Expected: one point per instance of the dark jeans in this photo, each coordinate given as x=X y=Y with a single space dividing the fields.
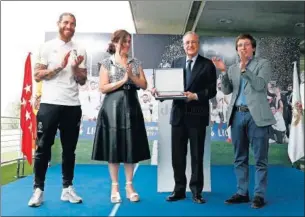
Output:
x=49 y=119
x=245 y=131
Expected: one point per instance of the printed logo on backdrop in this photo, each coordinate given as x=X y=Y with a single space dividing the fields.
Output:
x=87 y=130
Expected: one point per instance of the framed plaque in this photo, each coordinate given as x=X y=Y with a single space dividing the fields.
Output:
x=169 y=83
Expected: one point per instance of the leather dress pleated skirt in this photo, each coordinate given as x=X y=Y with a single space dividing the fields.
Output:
x=120 y=135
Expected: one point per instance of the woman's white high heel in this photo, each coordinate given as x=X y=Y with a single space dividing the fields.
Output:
x=133 y=197
x=115 y=197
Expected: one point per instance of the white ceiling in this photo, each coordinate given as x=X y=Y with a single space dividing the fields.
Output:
x=256 y=17
x=160 y=17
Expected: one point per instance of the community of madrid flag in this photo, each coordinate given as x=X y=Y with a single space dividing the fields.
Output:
x=296 y=137
x=27 y=116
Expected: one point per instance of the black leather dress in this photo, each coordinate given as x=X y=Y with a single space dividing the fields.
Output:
x=120 y=135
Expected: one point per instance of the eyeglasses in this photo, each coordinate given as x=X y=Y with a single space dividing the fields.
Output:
x=243 y=44
x=190 y=42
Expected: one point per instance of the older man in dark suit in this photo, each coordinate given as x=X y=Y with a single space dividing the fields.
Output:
x=190 y=118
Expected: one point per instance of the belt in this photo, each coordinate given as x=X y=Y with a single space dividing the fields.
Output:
x=127 y=87
x=242 y=108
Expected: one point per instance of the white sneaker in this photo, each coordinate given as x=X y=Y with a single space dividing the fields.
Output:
x=37 y=198
x=69 y=194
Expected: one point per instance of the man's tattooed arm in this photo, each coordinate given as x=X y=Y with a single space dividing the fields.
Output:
x=42 y=73
x=80 y=75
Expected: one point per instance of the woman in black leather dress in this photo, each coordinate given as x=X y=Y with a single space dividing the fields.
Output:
x=120 y=135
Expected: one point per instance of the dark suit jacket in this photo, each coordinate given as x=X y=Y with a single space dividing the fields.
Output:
x=203 y=82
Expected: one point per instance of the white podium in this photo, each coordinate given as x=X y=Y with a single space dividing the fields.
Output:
x=165 y=171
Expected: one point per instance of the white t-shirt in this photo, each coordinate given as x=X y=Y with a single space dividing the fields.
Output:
x=62 y=89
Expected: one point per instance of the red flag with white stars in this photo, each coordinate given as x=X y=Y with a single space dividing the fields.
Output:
x=27 y=116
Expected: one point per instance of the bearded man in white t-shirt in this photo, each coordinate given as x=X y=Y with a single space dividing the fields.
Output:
x=61 y=66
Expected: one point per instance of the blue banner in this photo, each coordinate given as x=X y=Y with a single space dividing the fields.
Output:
x=87 y=130
x=218 y=132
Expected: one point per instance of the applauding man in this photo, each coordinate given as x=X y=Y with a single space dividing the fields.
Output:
x=61 y=66
x=250 y=117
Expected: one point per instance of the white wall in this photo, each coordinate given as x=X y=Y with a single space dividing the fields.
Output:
x=23 y=26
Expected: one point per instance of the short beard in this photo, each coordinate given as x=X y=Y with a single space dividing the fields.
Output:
x=62 y=35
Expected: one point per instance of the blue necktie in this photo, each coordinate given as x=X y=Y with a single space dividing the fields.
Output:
x=188 y=72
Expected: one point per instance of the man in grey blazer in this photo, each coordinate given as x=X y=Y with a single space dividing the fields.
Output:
x=249 y=116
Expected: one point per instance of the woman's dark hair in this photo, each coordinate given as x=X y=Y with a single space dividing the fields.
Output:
x=118 y=36
x=246 y=36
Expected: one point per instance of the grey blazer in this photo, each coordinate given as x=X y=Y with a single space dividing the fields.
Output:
x=257 y=76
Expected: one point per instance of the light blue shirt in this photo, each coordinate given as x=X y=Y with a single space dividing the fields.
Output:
x=241 y=98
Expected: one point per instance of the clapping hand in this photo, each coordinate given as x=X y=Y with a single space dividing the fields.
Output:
x=125 y=79
x=243 y=60
x=59 y=68
x=77 y=61
x=65 y=60
x=129 y=70
x=219 y=64
x=128 y=73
